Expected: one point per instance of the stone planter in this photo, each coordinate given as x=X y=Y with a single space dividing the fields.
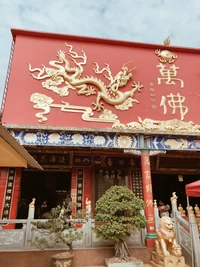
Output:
x=62 y=259
x=115 y=262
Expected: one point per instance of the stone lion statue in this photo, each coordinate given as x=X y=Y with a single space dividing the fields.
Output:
x=166 y=244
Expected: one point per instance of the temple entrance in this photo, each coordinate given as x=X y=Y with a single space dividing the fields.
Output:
x=164 y=184
x=105 y=178
x=48 y=187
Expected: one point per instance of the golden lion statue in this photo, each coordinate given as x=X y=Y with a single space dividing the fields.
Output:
x=166 y=244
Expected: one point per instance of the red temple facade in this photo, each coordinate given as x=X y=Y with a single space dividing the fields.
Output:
x=95 y=113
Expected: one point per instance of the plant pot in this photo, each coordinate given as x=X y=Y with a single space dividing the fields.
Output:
x=62 y=259
x=115 y=262
x=79 y=225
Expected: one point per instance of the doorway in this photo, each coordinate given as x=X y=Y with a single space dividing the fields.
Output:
x=165 y=184
x=49 y=186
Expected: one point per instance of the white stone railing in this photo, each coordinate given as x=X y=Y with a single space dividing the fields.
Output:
x=23 y=239
x=186 y=231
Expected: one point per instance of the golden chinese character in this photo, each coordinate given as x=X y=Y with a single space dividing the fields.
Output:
x=10 y=184
x=149 y=203
x=152 y=89
x=8 y=198
x=150 y=218
x=153 y=95
x=110 y=163
x=132 y=162
x=79 y=205
x=79 y=185
x=43 y=159
x=86 y=160
x=80 y=192
x=153 y=106
x=9 y=191
x=6 y=212
x=61 y=159
x=169 y=74
x=147 y=174
x=52 y=159
x=146 y=161
x=149 y=188
x=175 y=102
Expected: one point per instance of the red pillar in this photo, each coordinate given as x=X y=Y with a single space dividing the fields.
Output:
x=148 y=198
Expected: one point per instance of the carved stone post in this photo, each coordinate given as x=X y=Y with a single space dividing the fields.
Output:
x=148 y=198
x=156 y=214
x=173 y=200
x=31 y=211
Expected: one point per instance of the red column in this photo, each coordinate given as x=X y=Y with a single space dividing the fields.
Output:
x=148 y=198
x=73 y=188
x=87 y=186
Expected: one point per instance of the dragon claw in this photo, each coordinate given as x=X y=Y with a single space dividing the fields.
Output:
x=98 y=106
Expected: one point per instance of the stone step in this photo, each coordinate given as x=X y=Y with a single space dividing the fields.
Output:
x=145 y=265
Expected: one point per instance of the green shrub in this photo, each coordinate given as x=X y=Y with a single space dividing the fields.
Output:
x=119 y=210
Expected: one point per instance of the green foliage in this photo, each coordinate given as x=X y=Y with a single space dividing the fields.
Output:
x=119 y=210
x=57 y=229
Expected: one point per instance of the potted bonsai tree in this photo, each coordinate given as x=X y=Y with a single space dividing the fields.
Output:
x=119 y=212
x=57 y=229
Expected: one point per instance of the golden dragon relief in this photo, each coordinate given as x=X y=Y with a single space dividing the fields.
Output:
x=62 y=76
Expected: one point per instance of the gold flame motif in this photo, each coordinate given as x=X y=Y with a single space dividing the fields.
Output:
x=167 y=41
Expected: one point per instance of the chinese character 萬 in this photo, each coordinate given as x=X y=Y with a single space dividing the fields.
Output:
x=169 y=75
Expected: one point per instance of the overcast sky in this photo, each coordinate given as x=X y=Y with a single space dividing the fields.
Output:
x=146 y=21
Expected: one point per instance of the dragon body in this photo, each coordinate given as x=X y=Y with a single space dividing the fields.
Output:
x=61 y=77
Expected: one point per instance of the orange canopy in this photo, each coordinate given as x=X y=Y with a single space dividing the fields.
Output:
x=193 y=189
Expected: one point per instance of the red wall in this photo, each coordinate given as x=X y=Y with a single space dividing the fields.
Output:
x=41 y=50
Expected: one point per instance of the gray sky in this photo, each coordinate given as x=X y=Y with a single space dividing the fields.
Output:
x=146 y=21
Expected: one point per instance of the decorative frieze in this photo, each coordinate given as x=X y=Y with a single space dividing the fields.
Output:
x=71 y=139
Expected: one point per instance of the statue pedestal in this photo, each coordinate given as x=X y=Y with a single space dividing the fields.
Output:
x=159 y=260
